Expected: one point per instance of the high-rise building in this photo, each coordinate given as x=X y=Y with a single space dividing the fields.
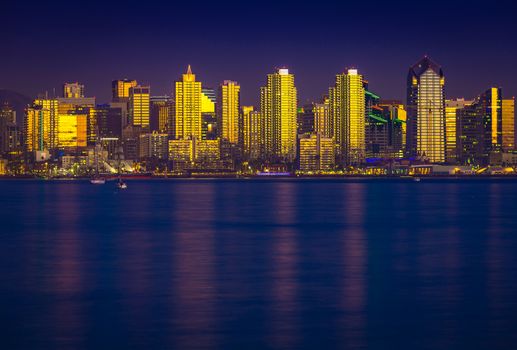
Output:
x=348 y=111
x=81 y=105
x=72 y=131
x=160 y=111
x=209 y=127
x=73 y=90
x=188 y=98
x=316 y=152
x=322 y=120
x=394 y=111
x=426 y=111
x=479 y=129
x=278 y=102
x=253 y=133
x=154 y=145
x=451 y=108
x=508 y=124
x=120 y=89
x=41 y=125
x=109 y=121
x=8 y=113
x=139 y=106
x=306 y=116
x=228 y=108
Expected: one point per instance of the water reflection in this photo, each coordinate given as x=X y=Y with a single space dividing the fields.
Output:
x=354 y=267
x=194 y=288
x=284 y=256
x=65 y=275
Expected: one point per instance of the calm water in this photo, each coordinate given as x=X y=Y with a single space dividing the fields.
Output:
x=280 y=264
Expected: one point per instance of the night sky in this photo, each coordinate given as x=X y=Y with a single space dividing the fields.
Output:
x=47 y=43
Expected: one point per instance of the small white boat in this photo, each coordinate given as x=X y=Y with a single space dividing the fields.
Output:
x=98 y=181
x=121 y=185
x=416 y=179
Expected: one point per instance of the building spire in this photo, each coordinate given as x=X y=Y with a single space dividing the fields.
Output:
x=189 y=70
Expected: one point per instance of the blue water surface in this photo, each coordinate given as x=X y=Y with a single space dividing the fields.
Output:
x=249 y=264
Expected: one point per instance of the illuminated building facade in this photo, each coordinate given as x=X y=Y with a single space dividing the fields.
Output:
x=316 y=153
x=181 y=153
x=348 y=109
x=253 y=134
x=139 y=106
x=41 y=125
x=160 y=112
x=508 y=124
x=73 y=90
x=188 y=107
x=479 y=129
x=154 y=145
x=120 y=89
x=228 y=108
x=394 y=112
x=426 y=111
x=72 y=131
x=209 y=127
x=278 y=103
x=451 y=108
x=306 y=119
x=322 y=120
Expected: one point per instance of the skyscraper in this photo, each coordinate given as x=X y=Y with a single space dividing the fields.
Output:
x=139 y=106
x=188 y=122
x=347 y=113
x=41 y=125
x=316 y=153
x=73 y=90
x=426 y=111
x=508 y=124
x=322 y=120
x=252 y=133
x=228 y=107
x=278 y=102
x=120 y=89
x=160 y=111
x=479 y=129
x=451 y=108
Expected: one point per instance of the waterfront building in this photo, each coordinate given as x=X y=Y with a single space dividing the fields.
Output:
x=188 y=99
x=479 y=130
x=278 y=104
x=508 y=124
x=347 y=103
x=181 y=154
x=154 y=145
x=73 y=90
x=316 y=153
x=139 y=106
x=451 y=108
x=426 y=111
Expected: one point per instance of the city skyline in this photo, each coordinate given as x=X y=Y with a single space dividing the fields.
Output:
x=382 y=40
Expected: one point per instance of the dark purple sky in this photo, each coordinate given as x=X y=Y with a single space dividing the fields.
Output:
x=47 y=43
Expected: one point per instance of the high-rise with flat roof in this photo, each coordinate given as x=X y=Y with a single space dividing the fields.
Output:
x=278 y=102
x=139 y=106
x=228 y=107
x=347 y=112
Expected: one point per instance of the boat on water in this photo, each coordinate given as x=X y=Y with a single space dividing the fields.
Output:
x=97 y=181
x=416 y=179
x=121 y=185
